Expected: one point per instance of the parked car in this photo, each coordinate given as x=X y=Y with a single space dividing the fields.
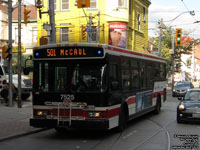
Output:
x=180 y=88
x=26 y=83
x=189 y=107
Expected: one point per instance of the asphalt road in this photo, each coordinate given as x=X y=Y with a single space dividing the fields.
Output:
x=150 y=132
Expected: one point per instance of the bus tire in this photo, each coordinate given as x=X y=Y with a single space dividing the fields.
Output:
x=25 y=96
x=61 y=130
x=158 y=106
x=122 y=120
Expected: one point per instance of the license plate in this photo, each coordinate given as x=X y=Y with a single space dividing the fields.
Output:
x=196 y=115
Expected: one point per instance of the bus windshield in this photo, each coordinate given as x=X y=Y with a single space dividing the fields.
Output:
x=77 y=77
x=88 y=77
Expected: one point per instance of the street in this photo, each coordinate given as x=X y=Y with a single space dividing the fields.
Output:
x=149 y=132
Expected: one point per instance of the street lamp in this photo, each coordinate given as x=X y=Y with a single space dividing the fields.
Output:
x=192 y=13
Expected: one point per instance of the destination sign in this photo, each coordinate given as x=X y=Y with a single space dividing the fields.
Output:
x=69 y=52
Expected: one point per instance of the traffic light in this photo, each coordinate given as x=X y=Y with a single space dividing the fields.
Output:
x=83 y=3
x=178 y=37
x=83 y=32
x=26 y=16
x=5 y=52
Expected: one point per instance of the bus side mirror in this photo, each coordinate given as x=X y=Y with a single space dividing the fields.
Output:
x=26 y=70
x=114 y=85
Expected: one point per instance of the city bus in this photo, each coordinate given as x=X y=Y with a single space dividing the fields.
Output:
x=93 y=86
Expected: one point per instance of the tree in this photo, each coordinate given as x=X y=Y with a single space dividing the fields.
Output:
x=166 y=44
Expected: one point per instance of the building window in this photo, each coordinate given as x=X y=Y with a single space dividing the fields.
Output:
x=55 y=6
x=130 y=7
x=144 y=14
x=121 y=3
x=64 y=34
x=64 y=4
x=139 y=23
x=93 y=4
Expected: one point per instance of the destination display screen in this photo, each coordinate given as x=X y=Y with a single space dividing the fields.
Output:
x=69 y=52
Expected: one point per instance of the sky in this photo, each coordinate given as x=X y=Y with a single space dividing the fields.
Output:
x=178 y=11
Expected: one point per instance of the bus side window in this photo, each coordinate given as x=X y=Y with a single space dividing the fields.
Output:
x=1 y=71
x=156 y=72
x=142 y=75
x=125 y=74
x=113 y=77
x=135 y=75
x=150 y=75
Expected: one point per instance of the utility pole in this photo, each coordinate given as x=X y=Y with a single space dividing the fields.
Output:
x=10 y=51
x=173 y=41
x=98 y=27
x=160 y=37
x=52 y=22
x=19 y=102
x=90 y=28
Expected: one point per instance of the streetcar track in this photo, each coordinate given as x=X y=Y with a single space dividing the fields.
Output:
x=162 y=128
x=112 y=145
x=116 y=141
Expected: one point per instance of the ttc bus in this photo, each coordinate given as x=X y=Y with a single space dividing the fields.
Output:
x=93 y=86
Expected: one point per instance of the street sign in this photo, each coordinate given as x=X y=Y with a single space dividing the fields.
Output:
x=15 y=49
x=89 y=30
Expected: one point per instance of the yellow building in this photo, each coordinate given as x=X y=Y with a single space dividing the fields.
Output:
x=122 y=23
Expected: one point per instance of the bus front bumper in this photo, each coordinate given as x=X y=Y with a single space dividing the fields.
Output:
x=90 y=124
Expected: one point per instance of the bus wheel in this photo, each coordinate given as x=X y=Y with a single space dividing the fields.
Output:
x=158 y=106
x=122 y=121
x=61 y=130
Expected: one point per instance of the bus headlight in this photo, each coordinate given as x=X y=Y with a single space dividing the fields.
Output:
x=41 y=113
x=94 y=114
x=181 y=107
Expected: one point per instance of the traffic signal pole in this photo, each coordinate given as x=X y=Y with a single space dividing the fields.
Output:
x=52 y=22
x=10 y=102
x=173 y=48
x=19 y=101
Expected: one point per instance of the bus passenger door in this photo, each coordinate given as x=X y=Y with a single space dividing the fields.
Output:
x=114 y=85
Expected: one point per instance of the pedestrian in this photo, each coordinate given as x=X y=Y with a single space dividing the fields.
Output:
x=4 y=92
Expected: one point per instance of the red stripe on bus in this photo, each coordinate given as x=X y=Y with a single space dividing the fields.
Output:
x=131 y=100
x=134 y=53
x=83 y=113
x=113 y=112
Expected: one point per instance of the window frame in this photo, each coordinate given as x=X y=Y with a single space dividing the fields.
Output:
x=61 y=34
x=61 y=5
x=124 y=4
x=139 y=22
x=93 y=1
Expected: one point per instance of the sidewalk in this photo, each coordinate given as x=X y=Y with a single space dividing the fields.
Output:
x=14 y=121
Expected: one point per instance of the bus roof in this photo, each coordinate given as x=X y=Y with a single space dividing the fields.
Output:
x=108 y=49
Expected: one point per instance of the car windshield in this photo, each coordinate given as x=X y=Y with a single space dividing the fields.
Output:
x=192 y=96
x=184 y=84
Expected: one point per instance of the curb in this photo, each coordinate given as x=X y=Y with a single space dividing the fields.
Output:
x=22 y=134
